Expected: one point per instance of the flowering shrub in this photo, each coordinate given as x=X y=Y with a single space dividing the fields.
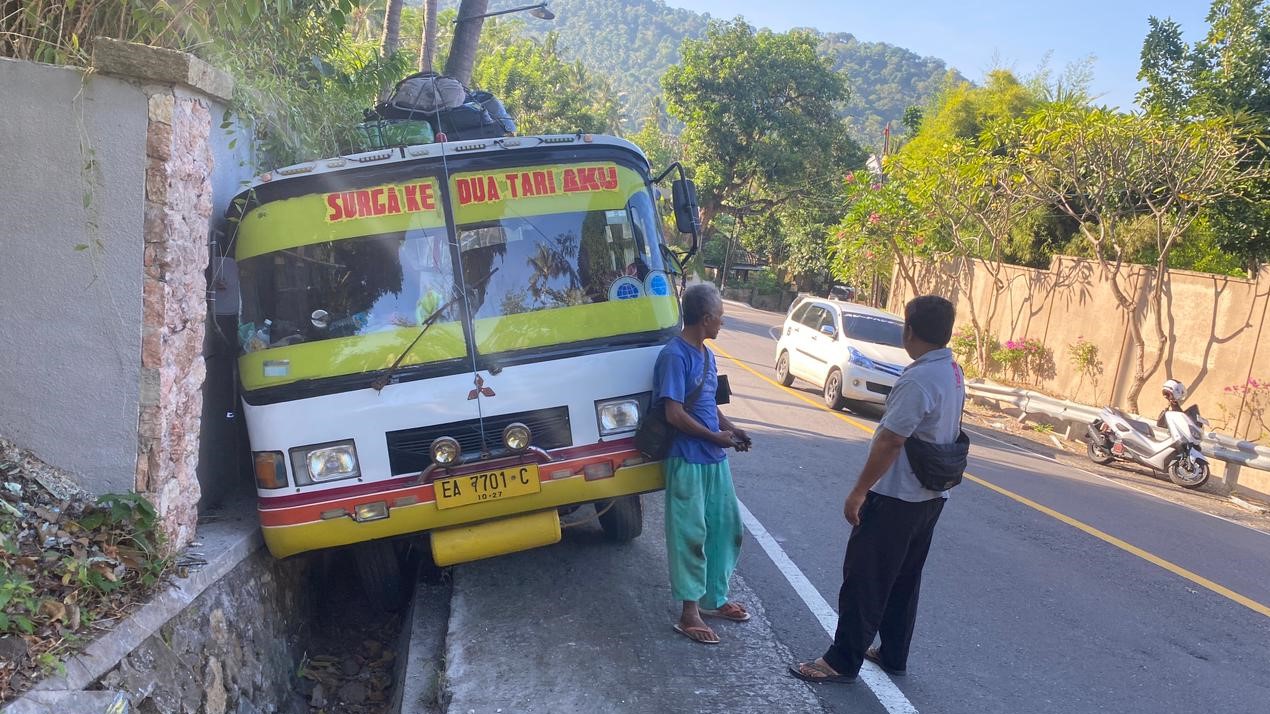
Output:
x=966 y=349
x=963 y=345
x=1255 y=396
x=1023 y=357
x=1083 y=355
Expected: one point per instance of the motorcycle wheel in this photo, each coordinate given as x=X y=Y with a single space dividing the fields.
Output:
x=1191 y=474
x=1098 y=454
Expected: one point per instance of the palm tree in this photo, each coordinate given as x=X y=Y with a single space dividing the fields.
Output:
x=467 y=36
x=392 y=27
x=428 y=45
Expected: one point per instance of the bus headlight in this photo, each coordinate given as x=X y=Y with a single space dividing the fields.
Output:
x=326 y=462
x=617 y=415
x=516 y=436
x=446 y=450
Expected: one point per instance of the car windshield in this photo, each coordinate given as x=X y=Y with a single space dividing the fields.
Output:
x=877 y=330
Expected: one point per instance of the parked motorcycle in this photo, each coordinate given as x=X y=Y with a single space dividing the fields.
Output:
x=1118 y=436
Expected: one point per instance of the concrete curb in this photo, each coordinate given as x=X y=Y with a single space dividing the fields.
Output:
x=228 y=538
x=422 y=679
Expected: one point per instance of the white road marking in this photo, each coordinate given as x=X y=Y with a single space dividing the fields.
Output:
x=881 y=685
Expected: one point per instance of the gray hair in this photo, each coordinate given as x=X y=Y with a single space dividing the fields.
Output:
x=698 y=300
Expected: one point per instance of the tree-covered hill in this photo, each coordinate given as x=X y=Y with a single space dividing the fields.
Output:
x=633 y=42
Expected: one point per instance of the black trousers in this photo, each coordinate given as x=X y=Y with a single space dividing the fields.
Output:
x=881 y=579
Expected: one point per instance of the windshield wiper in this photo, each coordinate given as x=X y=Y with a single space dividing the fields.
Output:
x=382 y=381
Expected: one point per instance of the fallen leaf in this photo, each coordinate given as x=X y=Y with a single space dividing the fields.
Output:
x=54 y=609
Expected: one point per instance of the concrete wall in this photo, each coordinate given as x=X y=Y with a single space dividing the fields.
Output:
x=1217 y=328
x=111 y=183
x=72 y=167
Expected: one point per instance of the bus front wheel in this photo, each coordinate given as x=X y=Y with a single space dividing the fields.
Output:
x=381 y=572
x=624 y=520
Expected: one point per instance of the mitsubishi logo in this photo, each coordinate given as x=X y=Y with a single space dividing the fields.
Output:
x=481 y=389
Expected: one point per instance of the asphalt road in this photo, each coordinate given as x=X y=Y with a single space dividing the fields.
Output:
x=1048 y=589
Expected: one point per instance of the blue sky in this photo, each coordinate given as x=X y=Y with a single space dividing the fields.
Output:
x=975 y=37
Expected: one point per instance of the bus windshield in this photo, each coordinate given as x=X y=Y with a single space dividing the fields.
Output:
x=566 y=277
x=541 y=257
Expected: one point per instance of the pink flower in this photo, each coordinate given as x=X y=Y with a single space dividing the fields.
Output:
x=874 y=218
x=850 y=176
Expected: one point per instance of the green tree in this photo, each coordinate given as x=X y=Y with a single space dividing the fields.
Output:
x=1116 y=175
x=963 y=110
x=760 y=118
x=1227 y=72
x=543 y=91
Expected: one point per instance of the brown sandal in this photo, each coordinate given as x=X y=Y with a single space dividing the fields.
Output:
x=730 y=611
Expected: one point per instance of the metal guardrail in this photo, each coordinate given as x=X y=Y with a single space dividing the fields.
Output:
x=1235 y=452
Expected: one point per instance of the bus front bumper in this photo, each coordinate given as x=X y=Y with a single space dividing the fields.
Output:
x=413 y=509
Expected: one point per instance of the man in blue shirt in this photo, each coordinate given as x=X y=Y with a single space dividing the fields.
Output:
x=703 y=522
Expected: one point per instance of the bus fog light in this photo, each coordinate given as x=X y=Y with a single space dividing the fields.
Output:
x=516 y=436
x=445 y=451
x=617 y=416
x=374 y=511
x=603 y=469
x=560 y=473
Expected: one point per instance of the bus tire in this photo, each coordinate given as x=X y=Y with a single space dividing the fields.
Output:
x=624 y=521
x=380 y=571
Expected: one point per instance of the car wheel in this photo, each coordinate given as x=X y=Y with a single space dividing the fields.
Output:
x=833 y=390
x=782 y=370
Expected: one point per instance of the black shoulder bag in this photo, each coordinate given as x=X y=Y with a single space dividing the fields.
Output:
x=654 y=435
x=939 y=467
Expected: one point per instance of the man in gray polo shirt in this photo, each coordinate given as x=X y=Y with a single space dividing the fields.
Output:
x=892 y=515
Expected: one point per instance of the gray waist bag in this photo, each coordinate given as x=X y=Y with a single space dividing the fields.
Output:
x=939 y=467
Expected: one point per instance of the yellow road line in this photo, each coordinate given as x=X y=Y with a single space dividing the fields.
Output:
x=1079 y=525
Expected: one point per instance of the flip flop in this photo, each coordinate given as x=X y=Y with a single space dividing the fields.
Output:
x=700 y=635
x=826 y=676
x=730 y=611
x=874 y=655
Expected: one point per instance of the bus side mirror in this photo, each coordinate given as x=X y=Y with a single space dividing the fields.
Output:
x=687 y=213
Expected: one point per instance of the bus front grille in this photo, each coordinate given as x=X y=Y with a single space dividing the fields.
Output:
x=408 y=449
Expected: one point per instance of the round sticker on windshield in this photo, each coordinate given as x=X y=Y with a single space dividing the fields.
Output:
x=626 y=288
x=657 y=284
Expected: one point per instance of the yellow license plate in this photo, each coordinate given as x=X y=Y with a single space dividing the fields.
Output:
x=487 y=486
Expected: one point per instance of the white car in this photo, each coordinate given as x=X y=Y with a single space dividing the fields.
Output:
x=852 y=352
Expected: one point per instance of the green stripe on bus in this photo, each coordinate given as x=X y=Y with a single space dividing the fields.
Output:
x=352 y=355
x=543 y=328
x=305 y=220
x=529 y=330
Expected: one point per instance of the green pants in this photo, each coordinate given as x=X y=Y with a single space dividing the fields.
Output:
x=703 y=531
